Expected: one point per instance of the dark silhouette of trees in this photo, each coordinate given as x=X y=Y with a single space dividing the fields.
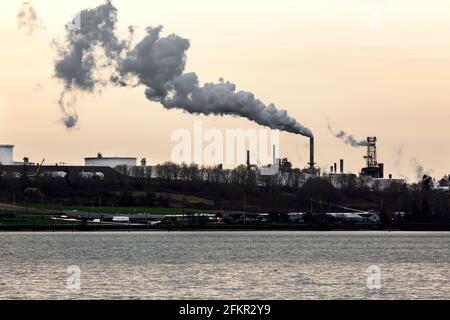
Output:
x=319 y=189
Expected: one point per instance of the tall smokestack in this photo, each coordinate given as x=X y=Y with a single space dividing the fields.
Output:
x=274 y=155
x=248 y=158
x=311 y=154
x=335 y=167
x=342 y=166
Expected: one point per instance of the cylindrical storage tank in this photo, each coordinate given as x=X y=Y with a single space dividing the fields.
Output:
x=6 y=154
x=110 y=162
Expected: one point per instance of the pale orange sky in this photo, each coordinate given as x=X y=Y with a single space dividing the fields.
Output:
x=313 y=58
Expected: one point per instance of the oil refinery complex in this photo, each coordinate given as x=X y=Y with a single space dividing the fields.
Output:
x=99 y=167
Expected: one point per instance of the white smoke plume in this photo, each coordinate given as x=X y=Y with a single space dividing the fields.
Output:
x=67 y=106
x=158 y=63
x=399 y=157
x=78 y=62
x=27 y=18
x=347 y=138
x=420 y=170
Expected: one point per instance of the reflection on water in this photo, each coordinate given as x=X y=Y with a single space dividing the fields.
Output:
x=225 y=265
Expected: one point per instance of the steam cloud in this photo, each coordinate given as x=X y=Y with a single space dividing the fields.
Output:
x=28 y=18
x=158 y=63
x=347 y=138
x=420 y=170
x=399 y=155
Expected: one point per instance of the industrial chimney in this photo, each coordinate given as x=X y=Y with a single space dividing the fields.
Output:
x=311 y=154
x=342 y=166
x=274 y=155
x=335 y=167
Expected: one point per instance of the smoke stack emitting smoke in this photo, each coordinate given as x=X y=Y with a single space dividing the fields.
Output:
x=158 y=63
x=347 y=138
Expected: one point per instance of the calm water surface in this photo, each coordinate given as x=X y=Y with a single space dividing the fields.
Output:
x=225 y=265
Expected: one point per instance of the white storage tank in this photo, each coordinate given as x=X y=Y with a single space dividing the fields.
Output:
x=6 y=154
x=112 y=162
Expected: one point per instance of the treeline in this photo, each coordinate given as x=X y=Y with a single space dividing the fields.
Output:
x=238 y=189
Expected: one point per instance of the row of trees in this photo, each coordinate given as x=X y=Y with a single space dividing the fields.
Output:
x=286 y=178
x=290 y=189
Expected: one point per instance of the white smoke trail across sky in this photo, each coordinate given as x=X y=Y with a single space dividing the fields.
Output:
x=158 y=63
x=345 y=137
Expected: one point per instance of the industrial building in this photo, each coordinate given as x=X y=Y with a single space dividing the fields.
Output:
x=7 y=157
x=373 y=168
x=111 y=162
x=373 y=173
x=61 y=172
x=6 y=154
x=101 y=167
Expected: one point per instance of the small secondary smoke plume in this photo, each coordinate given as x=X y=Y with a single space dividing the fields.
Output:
x=399 y=155
x=69 y=118
x=27 y=18
x=347 y=138
x=158 y=63
x=419 y=169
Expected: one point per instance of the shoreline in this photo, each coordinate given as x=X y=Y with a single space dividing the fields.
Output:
x=143 y=228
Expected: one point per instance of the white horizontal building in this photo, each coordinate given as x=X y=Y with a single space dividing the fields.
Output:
x=347 y=216
x=112 y=162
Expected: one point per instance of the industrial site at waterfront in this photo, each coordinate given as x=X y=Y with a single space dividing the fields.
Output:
x=206 y=150
x=256 y=191
x=114 y=193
